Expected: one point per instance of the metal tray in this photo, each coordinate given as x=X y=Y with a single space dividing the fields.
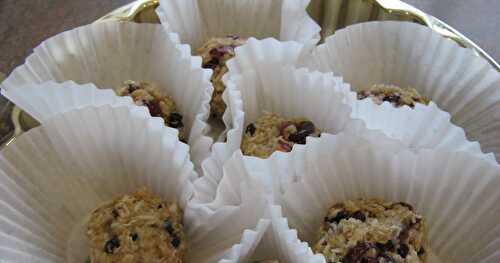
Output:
x=330 y=14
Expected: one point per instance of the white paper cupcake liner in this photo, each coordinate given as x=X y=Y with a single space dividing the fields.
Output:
x=457 y=193
x=408 y=54
x=47 y=99
x=425 y=126
x=53 y=176
x=106 y=54
x=196 y=21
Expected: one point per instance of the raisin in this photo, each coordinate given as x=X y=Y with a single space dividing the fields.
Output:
x=387 y=259
x=359 y=215
x=131 y=87
x=184 y=141
x=233 y=36
x=403 y=250
x=175 y=241
x=115 y=213
x=134 y=236
x=339 y=216
x=393 y=98
x=169 y=227
x=421 y=251
x=388 y=246
x=154 y=108
x=251 y=129
x=160 y=206
x=175 y=120
x=304 y=129
x=111 y=245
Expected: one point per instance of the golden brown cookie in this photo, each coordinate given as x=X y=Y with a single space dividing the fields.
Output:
x=215 y=53
x=372 y=231
x=272 y=132
x=395 y=95
x=159 y=105
x=136 y=228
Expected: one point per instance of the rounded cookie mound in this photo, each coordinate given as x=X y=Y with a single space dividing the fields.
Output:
x=159 y=105
x=395 y=95
x=215 y=53
x=136 y=228
x=272 y=132
x=372 y=231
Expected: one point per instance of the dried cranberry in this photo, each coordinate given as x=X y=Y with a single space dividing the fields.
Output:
x=403 y=250
x=356 y=253
x=175 y=120
x=212 y=64
x=154 y=108
x=359 y=215
x=111 y=245
x=251 y=129
x=284 y=146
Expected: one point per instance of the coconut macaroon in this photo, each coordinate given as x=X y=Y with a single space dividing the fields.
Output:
x=372 y=231
x=273 y=132
x=393 y=94
x=159 y=104
x=139 y=227
x=215 y=53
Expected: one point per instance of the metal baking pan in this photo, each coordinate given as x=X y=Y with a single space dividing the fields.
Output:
x=330 y=14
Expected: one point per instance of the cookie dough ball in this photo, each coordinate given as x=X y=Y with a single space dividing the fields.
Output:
x=395 y=95
x=272 y=132
x=215 y=53
x=136 y=228
x=159 y=105
x=372 y=231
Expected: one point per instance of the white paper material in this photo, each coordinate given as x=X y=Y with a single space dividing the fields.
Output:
x=408 y=54
x=196 y=21
x=53 y=176
x=457 y=193
x=424 y=126
x=47 y=99
x=106 y=54
x=255 y=52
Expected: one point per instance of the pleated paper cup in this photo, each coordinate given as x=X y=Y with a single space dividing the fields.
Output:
x=55 y=175
x=269 y=182
x=410 y=55
x=424 y=126
x=196 y=21
x=457 y=193
x=42 y=101
x=109 y=53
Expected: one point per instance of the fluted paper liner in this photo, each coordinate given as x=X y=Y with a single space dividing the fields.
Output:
x=196 y=21
x=53 y=176
x=108 y=53
x=47 y=99
x=425 y=126
x=408 y=54
x=457 y=193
